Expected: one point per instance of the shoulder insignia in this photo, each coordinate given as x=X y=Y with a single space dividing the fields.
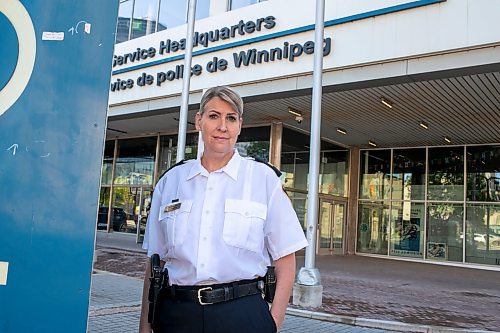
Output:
x=275 y=169
x=173 y=166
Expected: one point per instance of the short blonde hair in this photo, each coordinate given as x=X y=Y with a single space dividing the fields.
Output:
x=226 y=94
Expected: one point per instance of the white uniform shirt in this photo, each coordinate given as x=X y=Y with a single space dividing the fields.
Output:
x=227 y=223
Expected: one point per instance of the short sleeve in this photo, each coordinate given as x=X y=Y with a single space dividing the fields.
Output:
x=154 y=237
x=284 y=235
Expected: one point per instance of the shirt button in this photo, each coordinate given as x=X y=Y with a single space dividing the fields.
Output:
x=202 y=265
x=210 y=188
x=207 y=212
x=204 y=238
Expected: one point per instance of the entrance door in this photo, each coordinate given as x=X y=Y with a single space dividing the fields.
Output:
x=331 y=227
x=143 y=213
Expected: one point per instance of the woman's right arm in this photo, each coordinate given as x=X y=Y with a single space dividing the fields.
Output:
x=144 y=326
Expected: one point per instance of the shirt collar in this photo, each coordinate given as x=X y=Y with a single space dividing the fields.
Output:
x=231 y=168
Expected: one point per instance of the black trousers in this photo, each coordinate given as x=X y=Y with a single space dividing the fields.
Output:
x=249 y=314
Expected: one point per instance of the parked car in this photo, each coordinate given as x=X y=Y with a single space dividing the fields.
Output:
x=493 y=238
x=118 y=218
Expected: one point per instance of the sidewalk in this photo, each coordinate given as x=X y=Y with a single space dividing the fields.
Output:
x=360 y=294
x=115 y=307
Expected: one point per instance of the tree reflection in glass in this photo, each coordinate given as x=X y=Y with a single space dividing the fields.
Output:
x=446 y=174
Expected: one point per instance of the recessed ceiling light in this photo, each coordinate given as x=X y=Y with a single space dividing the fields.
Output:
x=341 y=130
x=371 y=143
x=386 y=102
x=294 y=112
x=424 y=125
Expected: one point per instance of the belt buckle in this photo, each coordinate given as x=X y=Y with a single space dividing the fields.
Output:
x=199 y=295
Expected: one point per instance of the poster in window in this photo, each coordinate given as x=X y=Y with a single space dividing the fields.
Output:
x=437 y=251
x=408 y=237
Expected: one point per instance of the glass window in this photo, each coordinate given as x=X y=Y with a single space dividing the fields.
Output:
x=446 y=174
x=295 y=168
x=104 y=196
x=483 y=173
x=235 y=4
x=172 y=13
x=299 y=203
x=407 y=229
x=254 y=142
x=375 y=174
x=168 y=150
x=445 y=231
x=202 y=9
x=334 y=176
x=124 y=202
x=372 y=227
x=288 y=169
x=102 y=215
x=482 y=234
x=107 y=162
x=135 y=161
x=408 y=176
x=124 y=17
x=145 y=14
x=295 y=164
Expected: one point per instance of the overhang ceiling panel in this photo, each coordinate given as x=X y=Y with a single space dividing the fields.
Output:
x=466 y=109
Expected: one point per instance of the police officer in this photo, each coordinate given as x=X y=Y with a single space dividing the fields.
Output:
x=215 y=222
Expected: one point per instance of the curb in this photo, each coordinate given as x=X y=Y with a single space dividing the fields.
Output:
x=378 y=324
x=111 y=247
x=100 y=310
x=103 y=272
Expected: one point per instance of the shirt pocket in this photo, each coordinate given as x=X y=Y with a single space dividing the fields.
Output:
x=175 y=222
x=244 y=224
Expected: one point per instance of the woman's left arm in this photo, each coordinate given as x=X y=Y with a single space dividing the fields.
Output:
x=285 y=277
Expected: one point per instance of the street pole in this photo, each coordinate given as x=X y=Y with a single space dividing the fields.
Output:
x=308 y=290
x=186 y=79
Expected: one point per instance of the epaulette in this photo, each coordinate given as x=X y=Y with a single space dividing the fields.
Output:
x=275 y=169
x=173 y=166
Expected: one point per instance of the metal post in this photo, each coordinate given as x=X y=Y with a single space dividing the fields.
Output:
x=308 y=290
x=186 y=78
x=201 y=144
x=139 y=218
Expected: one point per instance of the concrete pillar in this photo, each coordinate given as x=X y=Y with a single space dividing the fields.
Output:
x=307 y=296
x=275 y=144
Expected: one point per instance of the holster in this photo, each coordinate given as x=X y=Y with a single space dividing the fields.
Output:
x=269 y=284
x=156 y=281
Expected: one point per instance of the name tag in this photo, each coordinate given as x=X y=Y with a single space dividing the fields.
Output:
x=171 y=207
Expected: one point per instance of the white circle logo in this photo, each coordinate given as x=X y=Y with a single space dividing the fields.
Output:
x=21 y=20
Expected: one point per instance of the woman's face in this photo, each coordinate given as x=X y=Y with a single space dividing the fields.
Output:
x=220 y=126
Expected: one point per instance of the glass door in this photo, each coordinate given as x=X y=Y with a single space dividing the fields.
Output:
x=339 y=217
x=331 y=227
x=143 y=213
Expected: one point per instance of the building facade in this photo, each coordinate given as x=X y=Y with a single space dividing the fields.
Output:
x=410 y=149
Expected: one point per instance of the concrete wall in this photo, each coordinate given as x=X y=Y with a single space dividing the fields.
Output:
x=383 y=38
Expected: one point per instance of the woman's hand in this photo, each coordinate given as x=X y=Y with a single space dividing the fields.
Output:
x=285 y=277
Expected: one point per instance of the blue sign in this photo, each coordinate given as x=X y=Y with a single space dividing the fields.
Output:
x=56 y=60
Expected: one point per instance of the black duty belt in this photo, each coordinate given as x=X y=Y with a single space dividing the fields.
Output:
x=205 y=295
